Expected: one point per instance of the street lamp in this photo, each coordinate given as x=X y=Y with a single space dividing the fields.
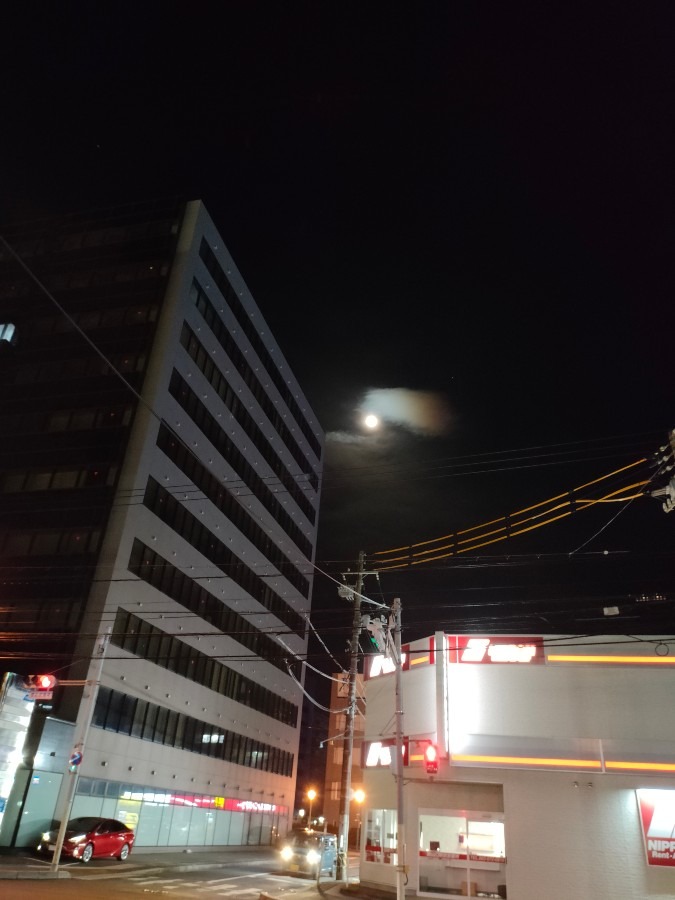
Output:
x=311 y=795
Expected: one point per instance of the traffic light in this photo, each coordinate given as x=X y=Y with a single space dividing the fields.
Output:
x=40 y=682
x=431 y=759
x=376 y=631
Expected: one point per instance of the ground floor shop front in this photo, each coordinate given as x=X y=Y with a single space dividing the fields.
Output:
x=168 y=811
x=159 y=818
x=524 y=835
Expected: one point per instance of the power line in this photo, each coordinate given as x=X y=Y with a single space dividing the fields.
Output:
x=495 y=530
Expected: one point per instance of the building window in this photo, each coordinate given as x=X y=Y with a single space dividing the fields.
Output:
x=230 y=507
x=227 y=342
x=381 y=825
x=173 y=513
x=149 y=642
x=155 y=570
x=116 y=712
x=181 y=391
x=251 y=332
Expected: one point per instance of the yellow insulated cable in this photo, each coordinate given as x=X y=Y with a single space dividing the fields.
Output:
x=405 y=551
x=476 y=542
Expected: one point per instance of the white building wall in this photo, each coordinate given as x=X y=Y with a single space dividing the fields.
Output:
x=578 y=836
x=561 y=701
x=571 y=832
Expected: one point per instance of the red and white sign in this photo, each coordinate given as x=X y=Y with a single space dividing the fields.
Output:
x=250 y=806
x=497 y=649
x=381 y=753
x=384 y=665
x=657 y=816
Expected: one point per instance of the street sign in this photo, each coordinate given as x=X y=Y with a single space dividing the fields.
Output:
x=38 y=695
x=75 y=758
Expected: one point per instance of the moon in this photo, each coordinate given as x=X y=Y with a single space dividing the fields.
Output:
x=371 y=421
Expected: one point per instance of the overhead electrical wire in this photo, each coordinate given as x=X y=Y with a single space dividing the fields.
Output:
x=496 y=530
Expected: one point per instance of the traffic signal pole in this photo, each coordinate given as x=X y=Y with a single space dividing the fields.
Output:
x=84 y=718
x=348 y=746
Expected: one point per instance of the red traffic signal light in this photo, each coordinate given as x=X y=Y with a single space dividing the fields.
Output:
x=431 y=759
x=41 y=682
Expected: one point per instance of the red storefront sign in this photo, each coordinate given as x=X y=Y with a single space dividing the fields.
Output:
x=251 y=806
x=657 y=817
x=496 y=649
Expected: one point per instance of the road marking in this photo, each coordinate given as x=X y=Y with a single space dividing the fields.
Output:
x=246 y=892
x=214 y=886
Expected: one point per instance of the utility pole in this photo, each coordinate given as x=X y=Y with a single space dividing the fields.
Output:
x=401 y=868
x=666 y=464
x=81 y=732
x=354 y=594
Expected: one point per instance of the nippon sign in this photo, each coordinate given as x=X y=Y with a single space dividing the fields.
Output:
x=657 y=817
x=497 y=649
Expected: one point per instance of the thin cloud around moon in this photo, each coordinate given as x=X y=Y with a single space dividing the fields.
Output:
x=425 y=413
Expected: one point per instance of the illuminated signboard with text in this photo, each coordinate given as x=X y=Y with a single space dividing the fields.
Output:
x=496 y=649
x=380 y=753
x=250 y=806
x=383 y=665
x=657 y=817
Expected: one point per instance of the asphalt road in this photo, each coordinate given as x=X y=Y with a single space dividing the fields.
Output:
x=244 y=878
x=187 y=886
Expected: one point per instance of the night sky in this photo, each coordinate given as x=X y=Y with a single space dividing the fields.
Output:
x=472 y=204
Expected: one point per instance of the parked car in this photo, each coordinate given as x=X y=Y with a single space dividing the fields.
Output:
x=89 y=836
x=310 y=852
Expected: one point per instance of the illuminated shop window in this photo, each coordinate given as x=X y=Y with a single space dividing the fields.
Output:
x=381 y=825
x=458 y=848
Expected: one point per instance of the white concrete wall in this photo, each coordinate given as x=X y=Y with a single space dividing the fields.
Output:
x=565 y=841
x=569 y=834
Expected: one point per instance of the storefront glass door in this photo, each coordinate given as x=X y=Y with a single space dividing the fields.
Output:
x=461 y=852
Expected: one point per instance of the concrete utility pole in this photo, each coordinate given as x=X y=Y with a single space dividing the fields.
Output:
x=401 y=868
x=81 y=732
x=354 y=594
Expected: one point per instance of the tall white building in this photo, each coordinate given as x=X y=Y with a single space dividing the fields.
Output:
x=177 y=508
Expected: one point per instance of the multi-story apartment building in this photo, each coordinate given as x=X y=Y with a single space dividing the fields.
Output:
x=159 y=482
x=337 y=724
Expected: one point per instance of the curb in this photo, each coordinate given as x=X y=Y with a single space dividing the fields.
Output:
x=27 y=875
x=46 y=874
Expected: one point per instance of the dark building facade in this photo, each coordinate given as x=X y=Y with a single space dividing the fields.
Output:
x=159 y=494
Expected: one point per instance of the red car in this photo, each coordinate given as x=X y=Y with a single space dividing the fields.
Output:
x=90 y=836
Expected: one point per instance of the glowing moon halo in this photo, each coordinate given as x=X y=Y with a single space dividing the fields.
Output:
x=371 y=421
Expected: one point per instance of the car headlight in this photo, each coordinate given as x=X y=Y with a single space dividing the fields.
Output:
x=313 y=857
x=287 y=854
x=76 y=838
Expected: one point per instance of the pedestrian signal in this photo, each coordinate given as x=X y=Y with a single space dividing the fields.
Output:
x=431 y=759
